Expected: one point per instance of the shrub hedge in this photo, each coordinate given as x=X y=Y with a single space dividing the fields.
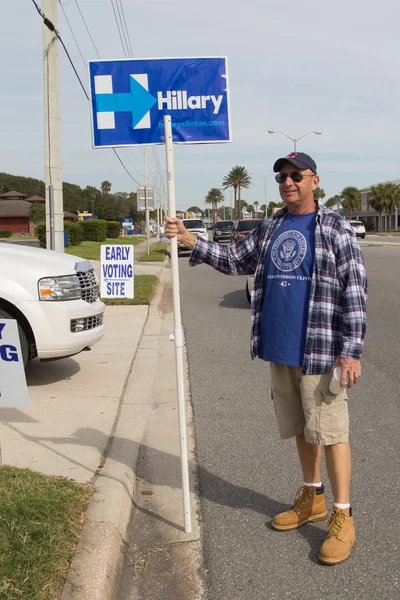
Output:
x=113 y=229
x=5 y=233
x=41 y=229
x=75 y=236
x=94 y=230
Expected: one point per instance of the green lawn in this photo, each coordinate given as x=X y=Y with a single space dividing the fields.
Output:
x=91 y=250
x=145 y=286
x=157 y=253
x=41 y=519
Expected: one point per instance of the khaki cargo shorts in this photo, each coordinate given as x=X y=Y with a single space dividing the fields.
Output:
x=304 y=404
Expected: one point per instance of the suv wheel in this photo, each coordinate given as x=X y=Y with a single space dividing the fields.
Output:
x=22 y=337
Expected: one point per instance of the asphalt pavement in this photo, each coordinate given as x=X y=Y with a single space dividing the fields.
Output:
x=247 y=474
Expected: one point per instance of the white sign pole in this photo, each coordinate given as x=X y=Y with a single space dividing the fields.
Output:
x=178 y=333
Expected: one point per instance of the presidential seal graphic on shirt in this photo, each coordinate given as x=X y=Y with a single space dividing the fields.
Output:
x=289 y=250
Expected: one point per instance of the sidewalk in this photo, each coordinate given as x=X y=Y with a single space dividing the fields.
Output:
x=90 y=418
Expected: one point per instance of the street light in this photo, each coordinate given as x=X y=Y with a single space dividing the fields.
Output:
x=294 y=140
x=92 y=198
x=265 y=188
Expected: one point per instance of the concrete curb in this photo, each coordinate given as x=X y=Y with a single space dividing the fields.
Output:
x=97 y=561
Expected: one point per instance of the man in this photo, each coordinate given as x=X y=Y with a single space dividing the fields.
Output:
x=309 y=274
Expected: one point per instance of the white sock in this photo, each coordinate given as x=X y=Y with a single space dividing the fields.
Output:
x=312 y=484
x=342 y=506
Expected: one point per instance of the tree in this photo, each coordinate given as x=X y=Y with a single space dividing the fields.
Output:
x=319 y=193
x=195 y=209
x=351 y=199
x=37 y=213
x=237 y=178
x=243 y=206
x=214 y=197
x=385 y=196
x=105 y=187
x=273 y=205
x=333 y=202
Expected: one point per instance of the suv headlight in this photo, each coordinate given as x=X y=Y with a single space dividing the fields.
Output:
x=66 y=287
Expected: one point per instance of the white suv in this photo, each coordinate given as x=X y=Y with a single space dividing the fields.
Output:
x=358 y=227
x=195 y=226
x=54 y=298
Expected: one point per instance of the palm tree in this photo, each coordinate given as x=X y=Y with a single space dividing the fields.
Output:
x=385 y=196
x=238 y=178
x=392 y=192
x=378 y=201
x=351 y=199
x=333 y=202
x=214 y=197
x=105 y=187
x=319 y=193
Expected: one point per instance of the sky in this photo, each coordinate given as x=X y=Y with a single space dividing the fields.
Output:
x=295 y=67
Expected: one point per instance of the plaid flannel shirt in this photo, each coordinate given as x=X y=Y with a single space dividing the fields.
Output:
x=336 y=323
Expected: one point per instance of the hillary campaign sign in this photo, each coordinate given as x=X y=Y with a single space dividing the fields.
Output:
x=130 y=97
x=117 y=272
x=13 y=389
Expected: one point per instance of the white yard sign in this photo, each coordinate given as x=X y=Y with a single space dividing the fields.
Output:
x=13 y=389
x=117 y=271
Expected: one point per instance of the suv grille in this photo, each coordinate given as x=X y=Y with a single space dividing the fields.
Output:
x=86 y=323
x=89 y=286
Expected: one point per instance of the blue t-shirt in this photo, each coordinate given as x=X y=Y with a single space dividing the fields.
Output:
x=289 y=265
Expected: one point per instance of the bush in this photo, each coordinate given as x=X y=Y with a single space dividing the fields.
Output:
x=94 y=230
x=5 y=233
x=75 y=234
x=41 y=229
x=113 y=229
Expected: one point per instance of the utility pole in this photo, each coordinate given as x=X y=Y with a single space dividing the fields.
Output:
x=146 y=183
x=157 y=199
x=52 y=139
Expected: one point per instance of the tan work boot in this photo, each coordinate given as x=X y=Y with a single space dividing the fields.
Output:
x=341 y=537
x=309 y=506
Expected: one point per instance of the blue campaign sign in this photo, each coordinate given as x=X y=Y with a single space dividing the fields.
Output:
x=129 y=99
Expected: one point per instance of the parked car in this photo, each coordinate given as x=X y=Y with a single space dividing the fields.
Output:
x=358 y=227
x=242 y=228
x=222 y=231
x=195 y=226
x=54 y=297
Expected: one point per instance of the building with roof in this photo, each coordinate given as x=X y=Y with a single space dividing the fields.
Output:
x=12 y=196
x=14 y=213
x=369 y=214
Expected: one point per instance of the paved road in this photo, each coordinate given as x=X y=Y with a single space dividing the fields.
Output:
x=247 y=473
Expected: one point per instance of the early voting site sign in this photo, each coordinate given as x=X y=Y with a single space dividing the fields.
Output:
x=129 y=99
x=13 y=389
x=117 y=272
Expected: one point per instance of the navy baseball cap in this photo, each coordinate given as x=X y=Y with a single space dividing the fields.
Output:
x=299 y=160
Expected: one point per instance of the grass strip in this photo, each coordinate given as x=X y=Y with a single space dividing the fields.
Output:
x=145 y=286
x=384 y=233
x=157 y=253
x=91 y=250
x=41 y=518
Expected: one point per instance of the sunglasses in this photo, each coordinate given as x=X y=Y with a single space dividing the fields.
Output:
x=295 y=176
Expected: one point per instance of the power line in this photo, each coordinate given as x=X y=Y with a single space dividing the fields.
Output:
x=72 y=33
x=118 y=27
x=122 y=27
x=126 y=28
x=51 y=27
x=87 y=28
